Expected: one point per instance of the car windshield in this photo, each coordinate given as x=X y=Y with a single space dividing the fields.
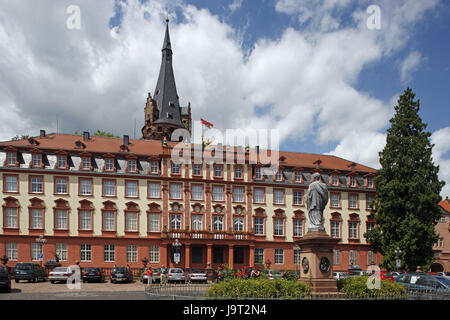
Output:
x=387 y=274
x=92 y=270
x=156 y=270
x=197 y=271
x=117 y=270
x=60 y=269
x=176 y=271
x=24 y=267
x=445 y=281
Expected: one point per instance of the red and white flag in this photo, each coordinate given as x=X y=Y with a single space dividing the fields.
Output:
x=206 y=123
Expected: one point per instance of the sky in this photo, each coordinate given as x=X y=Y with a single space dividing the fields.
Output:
x=326 y=74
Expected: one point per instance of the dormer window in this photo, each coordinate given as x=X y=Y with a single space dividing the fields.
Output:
x=258 y=175
x=62 y=161
x=132 y=166
x=370 y=182
x=353 y=182
x=279 y=175
x=85 y=163
x=334 y=180
x=109 y=164
x=297 y=176
x=11 y=158
x=154 y=167
x=36 y=160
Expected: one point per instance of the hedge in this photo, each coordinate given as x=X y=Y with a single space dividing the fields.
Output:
x=357 y=286
x=259 y=288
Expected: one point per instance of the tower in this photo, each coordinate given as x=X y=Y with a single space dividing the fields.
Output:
x=163 y=113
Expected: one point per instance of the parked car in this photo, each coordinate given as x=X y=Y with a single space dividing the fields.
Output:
x=384 y=275
x=356 y=273
x=156 y=275
x=121 y=274
x=146 y=275
x=5 y=281
x=274 y=274
x=32 y=272
x=340 y=275
x=93 y=274
x=176 y=275
x=197 y=276
x=423 y=283
x=60 y=274
x=443 y=274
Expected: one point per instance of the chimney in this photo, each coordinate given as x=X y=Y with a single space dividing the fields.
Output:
x=86 y=135
x=42 y=133
x=126 y=139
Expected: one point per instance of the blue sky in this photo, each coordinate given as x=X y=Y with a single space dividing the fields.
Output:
x=313 y=70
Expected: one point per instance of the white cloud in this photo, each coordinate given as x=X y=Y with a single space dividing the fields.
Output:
x=410 y=64
x=235 y=5
x=441 y=141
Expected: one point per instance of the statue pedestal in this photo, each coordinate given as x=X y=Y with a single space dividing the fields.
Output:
x=316 y=250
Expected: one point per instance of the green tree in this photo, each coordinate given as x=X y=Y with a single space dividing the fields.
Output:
x=407 y=192
x=100 y=133
x=19 y=138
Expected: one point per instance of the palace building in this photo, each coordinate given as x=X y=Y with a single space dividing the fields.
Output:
x=105 y=201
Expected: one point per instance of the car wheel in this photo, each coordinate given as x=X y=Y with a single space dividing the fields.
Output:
x=16 y=280
x=51 y=281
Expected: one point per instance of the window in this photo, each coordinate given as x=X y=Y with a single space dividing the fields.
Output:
x=85 y=252
x=297 y=176
x=335 y=229
x=37 y=185
x=153 y=254
x=335 y=200
x=154 y=190
x=278 y=227
x=197 y=222
x=335 y=180
x=218 y=171
x=85 y=163
x=109 y=253
x=298 y=197
x=259 y=255
x=85 y=220
x=175 y=191
x=175 y=221
x=154 y=167
x=11 y=158
x=258 y=195
x=353 y=230
x=175 y=168
x=36 y=251
x=109 y=188
x=279 y=175
x=217 y=193
x=238 y=194
x=239 y=224
x=278 y=196
x=132 y=166
x=11 y=184
x=370 y=226
x=370 y=258
x=61 y=186
x=298 y=228
x=197 y=192
x=258 y=175
x=61 y=251
x=336 y=256
x=369 y=182
x=353 y=201
x=279 y=256
x=153 y=222
x=85 y=187
x=109 y=164
x=369 y=201
x=37 y=219
x=238 y=172
x=443 y=219
x=109 y=221
x=353 y=257
x=132 y=221
x=11 y=218
x=297 y=256
x=132 y=253
x=197 y=170
x=61 y=219
x=259 y=226
x=61 y=162
x=131 y=189
x=36 y=159
x=218 y=223
x=352 y=181
x=11 y=251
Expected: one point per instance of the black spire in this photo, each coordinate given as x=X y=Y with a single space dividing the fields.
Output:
x=165 y=93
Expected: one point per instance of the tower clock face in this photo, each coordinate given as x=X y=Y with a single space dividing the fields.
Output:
x=305 y=265
x=324 y=265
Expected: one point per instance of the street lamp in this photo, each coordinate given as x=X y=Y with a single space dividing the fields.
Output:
x=398 y=262
x=176 y=251
x=42 y=241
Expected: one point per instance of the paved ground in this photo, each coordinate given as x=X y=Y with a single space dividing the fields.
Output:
x=91 y=291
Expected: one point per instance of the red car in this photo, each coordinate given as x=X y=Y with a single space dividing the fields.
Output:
x=384 y=275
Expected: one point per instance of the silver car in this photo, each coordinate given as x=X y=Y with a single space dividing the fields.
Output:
x=60 y=274
x=176 y=275
x=197 y=276
x=340 y=275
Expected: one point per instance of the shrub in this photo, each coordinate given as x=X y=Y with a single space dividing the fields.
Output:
x=261 y=288
x=357 y=287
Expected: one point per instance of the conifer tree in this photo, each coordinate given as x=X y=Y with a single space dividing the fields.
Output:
x=407 y=192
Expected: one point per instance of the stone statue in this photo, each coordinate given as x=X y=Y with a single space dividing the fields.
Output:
x=316 y=200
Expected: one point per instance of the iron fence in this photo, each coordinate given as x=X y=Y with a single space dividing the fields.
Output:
x=200 y=292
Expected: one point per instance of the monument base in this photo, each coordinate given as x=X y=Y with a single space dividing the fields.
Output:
x=316 y=249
